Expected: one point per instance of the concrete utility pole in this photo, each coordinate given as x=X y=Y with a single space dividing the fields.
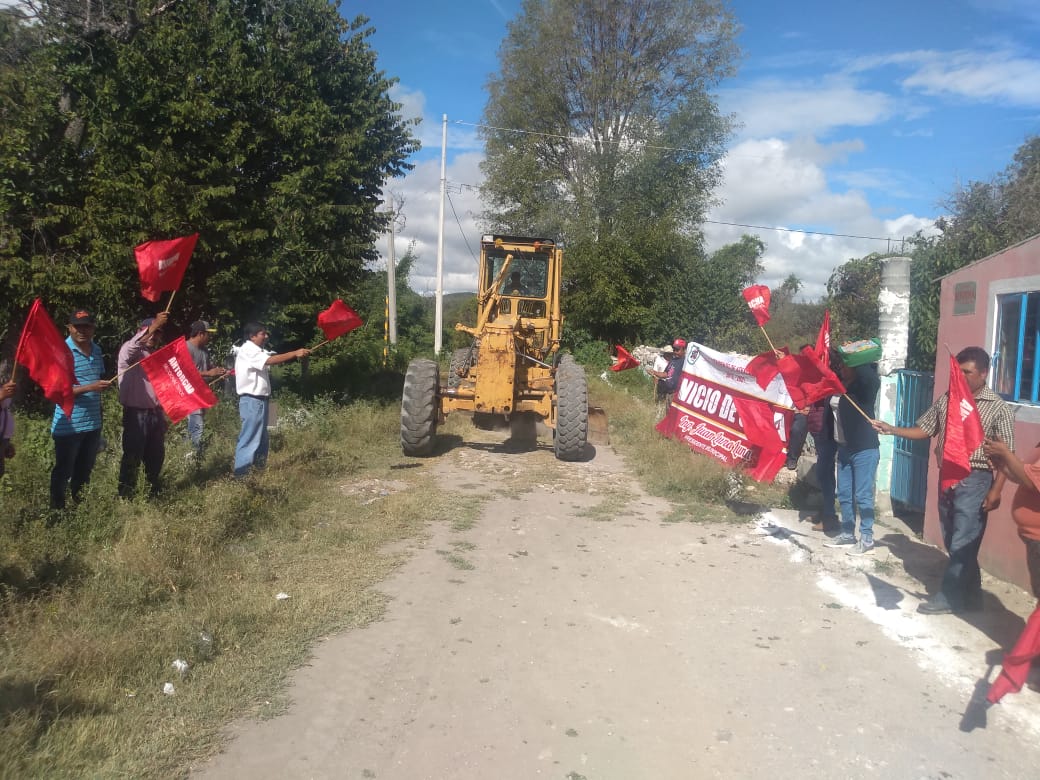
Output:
x=438 y=308
x=391 y=282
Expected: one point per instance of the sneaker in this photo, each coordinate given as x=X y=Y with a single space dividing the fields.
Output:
x=862 y=547
x=937 y=605
x=841 y=540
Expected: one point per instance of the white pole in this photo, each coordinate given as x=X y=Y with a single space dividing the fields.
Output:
x=391 y=283
x=438 y=308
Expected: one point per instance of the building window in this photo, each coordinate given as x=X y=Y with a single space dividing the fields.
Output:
x=1016 y=370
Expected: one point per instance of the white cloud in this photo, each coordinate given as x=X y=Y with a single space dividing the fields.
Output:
x=783 y=185
x=999 y=76
x=770 y=107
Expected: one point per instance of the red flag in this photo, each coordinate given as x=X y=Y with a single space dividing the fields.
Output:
x=338 y=320
x=823 y=339
x=757 y=297
x=1017 y=663
x=624 y=360
x=161 y=264
x=963 y=430
x=764 y=367
x=43 y=351
x=178 y=385
x=808 y=380
x=756 y=420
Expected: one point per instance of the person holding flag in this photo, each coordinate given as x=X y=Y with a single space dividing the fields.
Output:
x=144 y=423
x=198 y=338
x=77 y=437
x=253 y=383
x=671 y=376
x=968 y=489
x=6 y=424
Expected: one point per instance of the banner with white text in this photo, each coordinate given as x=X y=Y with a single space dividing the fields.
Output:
x=704 y=412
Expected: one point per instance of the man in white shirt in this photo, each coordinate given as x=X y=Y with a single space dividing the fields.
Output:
x=253 y=383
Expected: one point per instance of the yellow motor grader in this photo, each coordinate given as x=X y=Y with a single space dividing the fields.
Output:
x=513 y=364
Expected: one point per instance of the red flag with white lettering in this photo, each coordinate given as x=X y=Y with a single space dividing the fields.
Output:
x=43 y=351
x=963 y=430
x=338 y=320
x=757 y=297
x=161 y=264
x=624 y=360
x=178 y=385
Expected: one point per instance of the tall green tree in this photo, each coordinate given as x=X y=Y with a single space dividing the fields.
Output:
x=852 y=295
x=602 y=131
x=264 y=125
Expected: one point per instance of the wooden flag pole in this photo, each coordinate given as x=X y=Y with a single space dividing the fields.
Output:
x=14 y=371
x=170 y=302
x=856 y=406
x=777 y=352
x=322 y=344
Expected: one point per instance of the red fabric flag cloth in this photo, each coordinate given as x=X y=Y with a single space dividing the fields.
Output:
x=338 y=320
x=808 y=380
x=161 y=264
x=757 y=297
x=823 y=339
x=43 y=351
x=963 y=430
x=624 y=360
x=178 y=385
x=764 y=367
x=756 y=420
x=1017 y=663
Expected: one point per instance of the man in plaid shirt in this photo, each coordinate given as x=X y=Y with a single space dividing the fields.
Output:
x=963 y=508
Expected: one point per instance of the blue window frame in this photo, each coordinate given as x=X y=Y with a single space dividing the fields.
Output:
x=1016 y=369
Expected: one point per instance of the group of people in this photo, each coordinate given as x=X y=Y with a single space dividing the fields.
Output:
x=848 y=453
x=77 y=437
x=847 y=448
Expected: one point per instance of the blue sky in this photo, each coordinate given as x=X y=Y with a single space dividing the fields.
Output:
x=856 y=118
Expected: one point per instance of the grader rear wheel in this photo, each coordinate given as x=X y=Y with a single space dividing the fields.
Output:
x=572 y=410
x=419 y=410
x=459 y=365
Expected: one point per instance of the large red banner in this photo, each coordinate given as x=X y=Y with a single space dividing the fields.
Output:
x=178 y=385
x=704 y=412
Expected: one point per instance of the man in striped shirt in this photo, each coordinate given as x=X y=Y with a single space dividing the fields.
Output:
x=77 y=438
x=963 y=508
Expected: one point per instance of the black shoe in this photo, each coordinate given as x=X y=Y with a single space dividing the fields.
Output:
x=936 y=606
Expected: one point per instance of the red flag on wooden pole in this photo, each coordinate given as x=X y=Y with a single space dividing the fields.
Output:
x=43 y=351
x=624 y=360
x=963 y=429
x=161 y=264
x=757 y=423
x=757 y=297
x=338 y=320
x=178 y=385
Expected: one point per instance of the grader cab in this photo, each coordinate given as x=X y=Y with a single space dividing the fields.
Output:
x=513 y=364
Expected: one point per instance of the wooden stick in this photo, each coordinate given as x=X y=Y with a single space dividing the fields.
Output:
x=322 y=344
x=776 y=352
x=14 y=371
x=170 y=302
x=865 y=415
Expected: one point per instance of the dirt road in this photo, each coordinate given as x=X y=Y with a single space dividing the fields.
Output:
x=571 y=635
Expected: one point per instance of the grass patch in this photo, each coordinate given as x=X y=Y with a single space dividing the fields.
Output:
x=95 y=608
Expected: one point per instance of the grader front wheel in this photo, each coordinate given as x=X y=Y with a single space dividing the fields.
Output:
x=572 y=411
x=419 y=410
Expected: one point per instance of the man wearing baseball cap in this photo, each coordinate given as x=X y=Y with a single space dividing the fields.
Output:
x=144 y=423
x=198 y=338
x=669 y=378
x=78 y=438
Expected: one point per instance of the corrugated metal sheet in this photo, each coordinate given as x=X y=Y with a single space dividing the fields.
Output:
x=910 y=457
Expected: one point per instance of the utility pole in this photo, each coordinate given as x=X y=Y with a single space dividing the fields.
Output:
x=438 y=306
x=391 y=282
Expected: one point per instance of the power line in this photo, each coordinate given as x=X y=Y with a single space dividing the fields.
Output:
x=799 y=230
x=458 y=222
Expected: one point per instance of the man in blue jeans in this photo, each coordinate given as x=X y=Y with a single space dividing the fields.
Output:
x=77 y=438
x=253 y=383
x=858 y=455
x=964 y=508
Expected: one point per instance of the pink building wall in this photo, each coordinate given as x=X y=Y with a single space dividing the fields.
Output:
x=1016 y=269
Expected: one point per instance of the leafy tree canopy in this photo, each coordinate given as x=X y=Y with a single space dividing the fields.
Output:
x=262 y=124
